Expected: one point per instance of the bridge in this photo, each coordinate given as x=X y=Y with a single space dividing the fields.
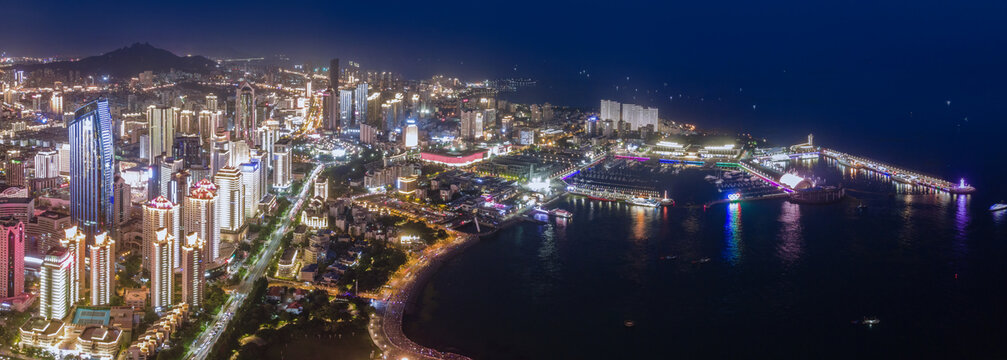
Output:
x=898 y=174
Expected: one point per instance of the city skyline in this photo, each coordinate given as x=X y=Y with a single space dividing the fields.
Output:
x=522 y=180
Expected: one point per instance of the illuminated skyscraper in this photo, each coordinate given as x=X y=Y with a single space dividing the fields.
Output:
x=268 y=134
x=187 y=124
x=193 y=280
x=345 y=108
x=281 y=167
x=360 y=104
x=102 y=269
x=55 y=291
x=91 y=168
x=167 y=168
x=158 y=214
x=161 y=131
x=201 y=216
x=46 y=164
x=221 y=155
x=471 y=125
x=162 y=276
x=259 y=156
x=11 y=257
x=412 y=134
x=74 y=240
x=230 y=201
x=250 y=177
x=209 y=122
x=244 y=112
x=64 y=159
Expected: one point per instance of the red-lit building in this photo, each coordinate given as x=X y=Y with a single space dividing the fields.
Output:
x=454 y=159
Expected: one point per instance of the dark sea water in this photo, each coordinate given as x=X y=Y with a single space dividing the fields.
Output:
x=783 y=280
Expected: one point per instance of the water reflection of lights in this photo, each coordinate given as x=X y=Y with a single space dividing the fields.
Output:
x=791 y=237
x=639 y=223
x=962 y=220
x=732 y=234
x=999 y=217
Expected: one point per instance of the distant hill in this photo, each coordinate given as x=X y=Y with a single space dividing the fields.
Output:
x=129 y=61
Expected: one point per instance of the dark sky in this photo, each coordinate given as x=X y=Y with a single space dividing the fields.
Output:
x=868 y=75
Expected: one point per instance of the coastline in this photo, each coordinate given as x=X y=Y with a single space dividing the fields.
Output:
x=386 y=327
x=387 y=332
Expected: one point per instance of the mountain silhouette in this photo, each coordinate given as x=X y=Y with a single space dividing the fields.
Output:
x=129 y=61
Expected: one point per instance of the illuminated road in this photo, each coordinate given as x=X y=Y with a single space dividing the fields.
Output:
x=203 y=343
x=385 y=327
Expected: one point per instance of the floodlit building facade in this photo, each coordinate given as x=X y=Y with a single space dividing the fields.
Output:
x=161 y=273
x=56 y=296
x=102 y=269
x=230 y=200
x=201 y=216
x=158 y=214
x=193 y=280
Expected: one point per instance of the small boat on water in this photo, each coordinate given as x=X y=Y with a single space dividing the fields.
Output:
x=861 y=207
x=998 y=206
x=701 y=261
x=643 y=202
x=868 y=321
x=629 y=323
x=669 y=257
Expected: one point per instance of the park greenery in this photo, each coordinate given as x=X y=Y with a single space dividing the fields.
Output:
x=377 y=263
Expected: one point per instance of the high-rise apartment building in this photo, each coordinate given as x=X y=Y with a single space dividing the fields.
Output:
x=74 y=241
x=636 y=116
x=230 y=201
x=162 y=276
x=360 y=104
x=193 y=266
x=411 y=134
x=160 y=213
x=268 y=134
x=251 y=174
x=345 y=108
x=201 y=216
x=102 y=269
x=282 y=176
x=56 y=296
x=46 y=164
x=160 y=131
x=91 y=167
x=471 y=125
x=610 y=110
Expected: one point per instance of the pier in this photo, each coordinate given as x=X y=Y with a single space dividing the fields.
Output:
x=898 y=174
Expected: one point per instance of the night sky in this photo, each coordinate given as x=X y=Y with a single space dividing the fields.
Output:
x=857 y=73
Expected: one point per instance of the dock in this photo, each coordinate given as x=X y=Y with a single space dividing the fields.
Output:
x=898 y=174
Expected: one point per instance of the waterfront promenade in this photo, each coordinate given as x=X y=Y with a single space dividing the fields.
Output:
x=385 y=327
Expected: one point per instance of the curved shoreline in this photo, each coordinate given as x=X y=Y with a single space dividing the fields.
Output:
x=386 y=331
